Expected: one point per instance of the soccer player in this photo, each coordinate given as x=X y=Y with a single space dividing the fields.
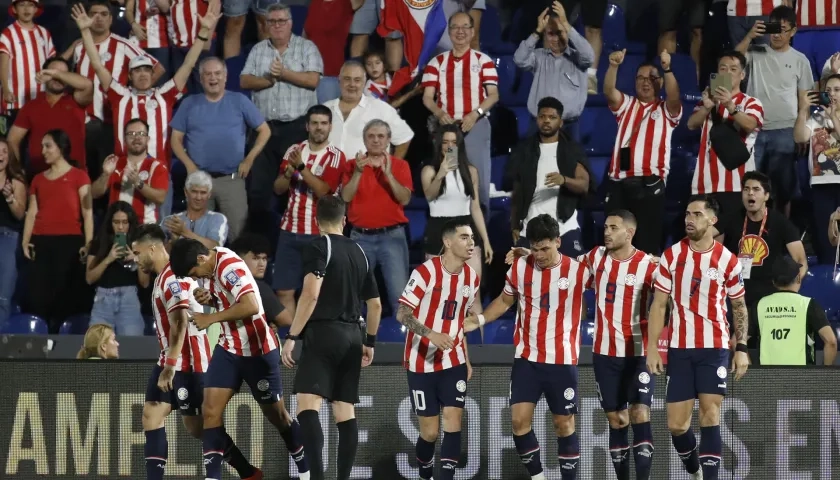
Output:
x=337 y=271
x=550 y=288
x=247 y=349
x=177 y=379
x=437 y=298
x=697 y=274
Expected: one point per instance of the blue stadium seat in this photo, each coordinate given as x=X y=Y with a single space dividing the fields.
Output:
x=416 y=226
x=24 y=323
x=523 y=121
x=504 y=332
x=500 y=204
x=75 y=325
x=523 y=88
x=599 y=164
x=234 y=68
x=598 y=130
x=390 y=331
x=614 y=28
x=587 y=334
x=299 y=13
x=497 y=170
x=685 y=70
x=491 y=33
x=680 y=175
x=474 y=337
x=821 y=285
x=589 y=298
x=508 y=73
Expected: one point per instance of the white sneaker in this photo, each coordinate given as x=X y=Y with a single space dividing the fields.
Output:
x=303 y=476
x=698 y=475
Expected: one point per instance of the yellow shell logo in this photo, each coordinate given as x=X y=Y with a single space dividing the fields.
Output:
x=755 y=246
x=420 y=4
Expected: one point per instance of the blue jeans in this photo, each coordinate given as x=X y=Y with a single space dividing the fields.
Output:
x=118 y=307
x=389 y=250
x=8 y=270
x=775 y=156
x=327 y=89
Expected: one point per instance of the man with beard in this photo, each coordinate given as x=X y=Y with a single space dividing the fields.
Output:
x=433 y=306
x=697 y=274
x=177 y=381
x=136 y=178
x=309 y=171
x=551 y=175
x=209 y=133
x=61 y=106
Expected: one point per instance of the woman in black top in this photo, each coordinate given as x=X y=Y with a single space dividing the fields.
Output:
x=11 y=213
x=111 y=268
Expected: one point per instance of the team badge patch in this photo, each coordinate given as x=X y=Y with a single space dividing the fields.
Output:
x=183 y=394
x=232 y=278
x=569 y=393
x=465 y=291
x=712 y=273
x=630 y=279
x=721 y=372
x=644 y=378
x=152 y=104
x=175 y=288
x=461 y=386
x=262 y=385
x=563 y=283
x=144 y=175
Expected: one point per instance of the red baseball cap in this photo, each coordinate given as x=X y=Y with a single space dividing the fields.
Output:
x=38 y=13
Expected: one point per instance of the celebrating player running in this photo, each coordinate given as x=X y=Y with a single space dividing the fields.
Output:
x=550 y=287
x=441 y=292
x=698 y=274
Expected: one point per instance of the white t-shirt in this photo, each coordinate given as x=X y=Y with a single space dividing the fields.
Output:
x=545 y=198
x=824 y=162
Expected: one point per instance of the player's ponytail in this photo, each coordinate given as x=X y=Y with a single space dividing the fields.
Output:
x=95 y=336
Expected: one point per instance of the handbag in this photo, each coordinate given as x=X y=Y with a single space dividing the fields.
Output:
x=727 y=142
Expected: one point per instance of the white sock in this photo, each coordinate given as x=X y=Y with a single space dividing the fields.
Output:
x=591 y=71
x=540 y=476
x=303 y=476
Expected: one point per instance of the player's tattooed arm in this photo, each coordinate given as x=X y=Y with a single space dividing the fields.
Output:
x=405 y=315
x=740 y=318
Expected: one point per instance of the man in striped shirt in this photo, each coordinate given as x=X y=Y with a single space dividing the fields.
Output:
x=549 y=287
x=177 y=381
x=642 y=153
x=309 y=171
x=247 y=350
x=433 y=306
x=697 y=275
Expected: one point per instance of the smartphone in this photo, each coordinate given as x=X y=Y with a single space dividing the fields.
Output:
x=772 y=27
x=821 y=98
x=32 y=250
x=719 y=80
x=452 y=155
x=120 y=240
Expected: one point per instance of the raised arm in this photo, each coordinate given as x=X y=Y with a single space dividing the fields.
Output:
x=673 y=101
x=613 y=94
x=84 y=23
x=207 y=27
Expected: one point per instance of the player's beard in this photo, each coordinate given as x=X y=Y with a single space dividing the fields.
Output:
x=696 y=235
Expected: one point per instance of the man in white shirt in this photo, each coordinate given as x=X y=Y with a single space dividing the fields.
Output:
x=353 y=110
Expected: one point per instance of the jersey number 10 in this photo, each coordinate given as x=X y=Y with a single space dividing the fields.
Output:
x=450 y=308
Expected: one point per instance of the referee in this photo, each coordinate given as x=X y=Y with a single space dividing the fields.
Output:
x=334 y=350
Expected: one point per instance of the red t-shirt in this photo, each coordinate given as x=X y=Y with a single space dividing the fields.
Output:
x=150 y=171
x=327 y=25
x=59 y=206
x=38 y=117
x=374 y=205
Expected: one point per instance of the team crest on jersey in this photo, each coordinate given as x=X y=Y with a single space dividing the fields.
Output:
x=563 y=284
x=232 y=278
x=105 y=57
x=152 y=104
x=644 y=378
x=419 y=4
x=569 y=393
x=721 y=372
x=712 y=273
x=461 y=386
x=262 y=385
x=739 y=108
x=630 y=279
x=465 y=291
x=655 y=115
x=144 y=175
x=183 y=394
x=175 y=288
x=319 y=170
x=475 y=68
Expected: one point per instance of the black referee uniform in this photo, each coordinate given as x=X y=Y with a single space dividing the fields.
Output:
x=330 y=364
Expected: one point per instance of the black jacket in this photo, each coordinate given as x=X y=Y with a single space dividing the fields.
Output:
x=522 y=171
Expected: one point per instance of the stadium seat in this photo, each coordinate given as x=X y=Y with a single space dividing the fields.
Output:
x=24 y=323
x=504 y=332
x=587 y=333
x=474 y=337
x=508 y=73
x=75 y=325
x=491 y=34
x=599 y=164
x=523 y=88
x=390 y=331
x=416 y=226
x=299 y=14
x=523 y=121
x=821 y=285
x=497 y=170
x=598 y=130
x=234 y=68
x=589 y=298
x=685 y=70
x=614 y=28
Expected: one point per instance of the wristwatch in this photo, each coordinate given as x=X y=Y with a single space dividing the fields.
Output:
x=289 y=336
x=480 y=111
x=140 y=185
x=300 y=167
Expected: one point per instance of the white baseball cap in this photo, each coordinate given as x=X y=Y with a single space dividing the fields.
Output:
x=140 y=61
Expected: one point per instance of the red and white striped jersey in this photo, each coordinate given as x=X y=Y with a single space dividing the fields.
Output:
x=378 y=90
x=157 y=26
x=441 y=300
x=170 y=294
x=817 y=13
x=247 y=337
x=460 y=82
x=644 y=128
x=328 y=163
x=698 y=283
x=27 y=50
x=622 y=290
x=710 y=176
x=183 y=21
x=751 y=8
x=151 y=172
x=550 y=309
x=115 y=53
x=155 y=106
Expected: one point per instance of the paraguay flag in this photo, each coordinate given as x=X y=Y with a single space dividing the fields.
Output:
x=422 y=23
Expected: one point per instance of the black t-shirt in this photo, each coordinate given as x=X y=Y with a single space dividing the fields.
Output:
x=348 y=279
x=765 y=248
x=271 y=304
x=118 y=274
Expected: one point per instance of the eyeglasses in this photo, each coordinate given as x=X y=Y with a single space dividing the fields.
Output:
x=459 y=28
x=281 y=22
x=651 y=79
x=136 y=134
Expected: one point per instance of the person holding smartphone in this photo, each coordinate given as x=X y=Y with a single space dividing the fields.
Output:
x=112 y=269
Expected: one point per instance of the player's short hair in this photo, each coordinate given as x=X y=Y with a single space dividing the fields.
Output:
x=469 y=17
x=251 y=242
x=625 y=215
x=98 y=3
x=138 y=120
x=783 y=13
x=451 y=226
x=542 y=227
x=759 y=177
x=148 y=232
x=318 y=110
x=550 y=102
x=833 y=76
x=58 y=59
x=183 y=255
x=652 y=65
x=709 y=203
x=330 y=209
x=742 y=60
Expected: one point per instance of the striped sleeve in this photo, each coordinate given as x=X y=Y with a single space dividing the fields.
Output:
x=234 y=280
x=6 y=44
x=673 y=120
x=734 y=278
x=489 y=75
x=417 y=286
x=755 y=109
x=431 y=74
x=176 y=293
x=49 y=41
x=664 y=281
x=511 y=280
x=626 y=102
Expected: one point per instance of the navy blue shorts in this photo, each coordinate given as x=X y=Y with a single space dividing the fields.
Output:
x=621 y=381
x=289 y=255
x=531 y=380
x=186 y=395
x=696 y=371
x=433 y=390
x=262 y=374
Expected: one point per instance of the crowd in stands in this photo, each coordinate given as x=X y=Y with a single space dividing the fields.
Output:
x=186 y=114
